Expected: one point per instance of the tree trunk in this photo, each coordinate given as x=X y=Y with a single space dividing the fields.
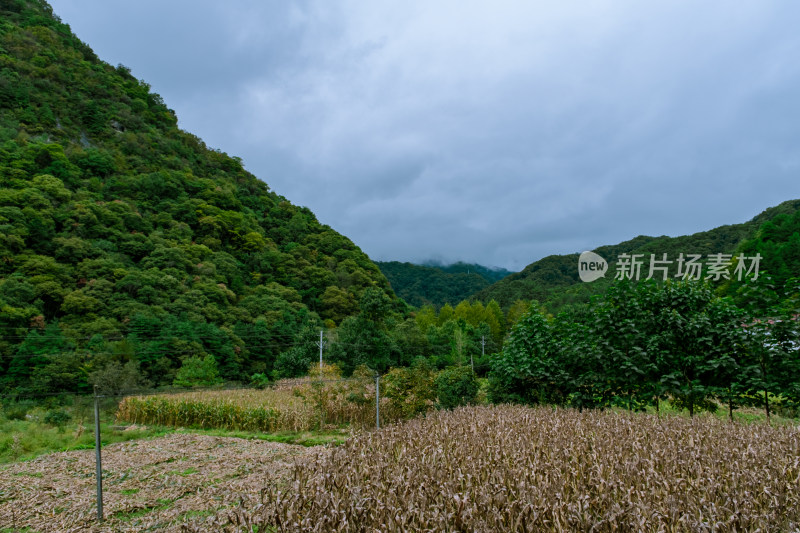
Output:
x=766 y=406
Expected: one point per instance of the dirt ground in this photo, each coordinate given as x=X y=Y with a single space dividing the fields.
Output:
x=161 y=484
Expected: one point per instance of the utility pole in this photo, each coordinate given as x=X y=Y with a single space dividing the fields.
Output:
x=321 y=343
x=377 y=401
x=99 y=466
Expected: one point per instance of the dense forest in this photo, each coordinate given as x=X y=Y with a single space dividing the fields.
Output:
x=643 y=343
x=435 y=284
x=132 y=255
x=715 y=336
x=693 y=342
x=127 y=246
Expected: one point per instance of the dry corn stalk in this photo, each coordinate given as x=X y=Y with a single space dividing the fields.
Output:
x=511 y=468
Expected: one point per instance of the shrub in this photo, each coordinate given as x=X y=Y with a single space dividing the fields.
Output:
x=411 y=390
x=196 y=372
x=456 y=386
x=260 y=381
x=57 y=418
x=115 y=378
x=292 y=363
x=16 y=411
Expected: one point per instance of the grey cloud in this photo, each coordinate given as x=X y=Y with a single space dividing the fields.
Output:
x=496 y=133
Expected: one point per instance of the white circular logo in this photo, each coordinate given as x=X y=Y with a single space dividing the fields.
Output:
x=591 y=266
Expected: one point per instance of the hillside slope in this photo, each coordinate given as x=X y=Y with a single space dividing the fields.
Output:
x=554 y=280
x=437 y=285
x=126 y=240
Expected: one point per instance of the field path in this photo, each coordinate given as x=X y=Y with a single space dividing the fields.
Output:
x=156 y=484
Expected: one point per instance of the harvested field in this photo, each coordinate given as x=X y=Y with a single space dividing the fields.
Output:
x=160 y=484
x=502 y=469
x=476 y=469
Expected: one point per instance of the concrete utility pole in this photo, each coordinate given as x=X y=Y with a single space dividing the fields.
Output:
x=377 y=401
x=321 y=343
x=99 y=466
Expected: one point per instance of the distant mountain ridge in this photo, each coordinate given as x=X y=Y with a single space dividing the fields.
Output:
x=554 y=282
x=460 y=267
x=436 y=284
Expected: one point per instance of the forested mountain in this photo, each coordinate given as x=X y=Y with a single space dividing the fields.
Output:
x=491 y=274
x=554 y=281
x=129 y=246
x=435 y=284
x=777 y=241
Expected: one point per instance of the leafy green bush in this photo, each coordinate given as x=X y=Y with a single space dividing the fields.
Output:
x=292 y=363
x=411 y=390
x=698 y=404
x=15 y=411
x=456 y=386
x=260 y=381
x=57 y=418
x=196 y=372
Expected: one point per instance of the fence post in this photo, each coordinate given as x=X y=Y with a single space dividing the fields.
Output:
x=378 y=401
x=97 y=443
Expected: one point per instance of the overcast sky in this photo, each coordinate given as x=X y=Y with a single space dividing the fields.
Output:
x=492 y=132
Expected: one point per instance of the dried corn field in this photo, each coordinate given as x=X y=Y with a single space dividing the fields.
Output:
x=299 y=406
x=164 y=484
x=498 y=469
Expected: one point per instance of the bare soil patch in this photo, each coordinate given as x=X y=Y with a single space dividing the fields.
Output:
x=163 y=484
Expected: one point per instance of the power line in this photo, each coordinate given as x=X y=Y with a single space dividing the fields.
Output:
x=304 y=380
x=144 y=350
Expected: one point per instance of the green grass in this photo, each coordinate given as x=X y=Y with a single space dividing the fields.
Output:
x=303 y=438
x=125 y=516
x=22 y=440
x=183 y=473
x=30 y=437
x=27 y=438
x=741 y=414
